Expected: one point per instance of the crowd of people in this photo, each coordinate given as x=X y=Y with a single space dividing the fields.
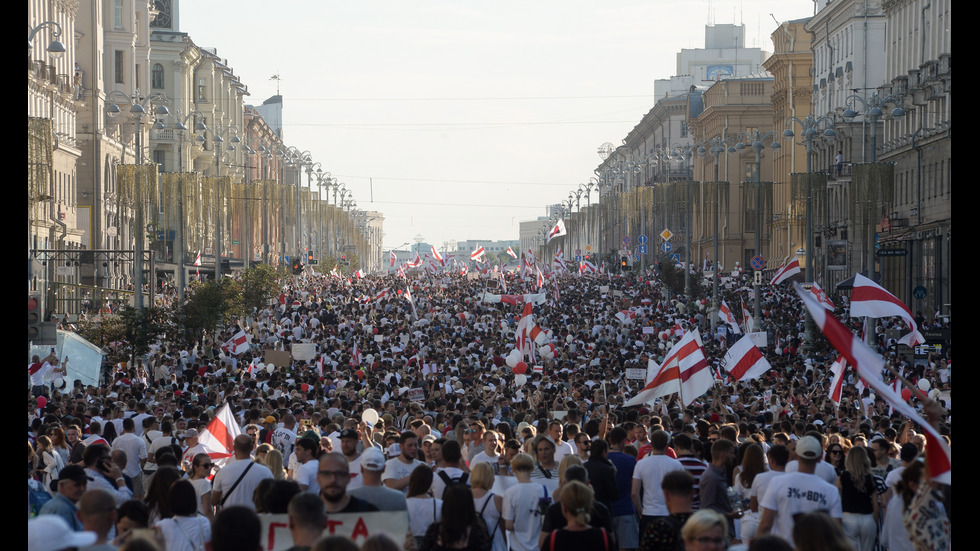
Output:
x=408 y=403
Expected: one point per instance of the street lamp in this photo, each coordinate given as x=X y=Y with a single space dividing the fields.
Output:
x=757 y=140
x=872 y=110
x=218 y=135
x=810 y=127
x=55 y=48
x=137 y=109
x=716 y=146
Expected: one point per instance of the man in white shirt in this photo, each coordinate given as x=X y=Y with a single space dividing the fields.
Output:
x=399 y=470
x=797 y=493
x=135 y=449
x=451 y=473
x=236 y=482
x=284 y=439
x=305 y=475
x=648 y=476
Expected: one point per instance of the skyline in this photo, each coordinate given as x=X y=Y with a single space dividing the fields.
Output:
x=458 y=121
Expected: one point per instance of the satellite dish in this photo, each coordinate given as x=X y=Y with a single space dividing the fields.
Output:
x=605 y=150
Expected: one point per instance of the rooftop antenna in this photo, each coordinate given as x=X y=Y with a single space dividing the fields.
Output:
x=276 y=78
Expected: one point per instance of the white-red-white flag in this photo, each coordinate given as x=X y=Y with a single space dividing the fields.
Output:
x=237 y=344
x=869 y=366
x=525 y=341
x=503 y=281
x=416 y=262
x=744 y=361
x=381 y=295
x=837 y=383
x=529 y=257
x=726 y=315
x=355 y=355
x=392 y=258
x=695 y=374
x=360 y=274
x=197 y=259
x=557 y=231
x=626 y=316
x=218 y=438
x=747 y=321
x=662 y=380
x=477 y=253
x=786 y=272
x=401 y=273
x=540 y=278
x=437 y=256
x=511 y=252
x=868 y=299
x=822 y=296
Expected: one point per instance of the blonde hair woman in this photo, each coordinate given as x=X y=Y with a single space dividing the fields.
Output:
x=273 y=460
x=576 y=503
x=488 y=504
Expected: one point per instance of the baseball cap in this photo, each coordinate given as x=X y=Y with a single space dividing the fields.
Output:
x=428 y=438
x=52 y=533
x=372 y=459
x=809 y=448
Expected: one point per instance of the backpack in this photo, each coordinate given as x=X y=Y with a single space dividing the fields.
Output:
x=453 y=481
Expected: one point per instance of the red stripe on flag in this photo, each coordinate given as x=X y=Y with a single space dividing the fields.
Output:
x=745 y=363
x=220 y=433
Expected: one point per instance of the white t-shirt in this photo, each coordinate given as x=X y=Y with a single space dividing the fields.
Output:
x=521 y=502
x=651 y=470
x=305 y=475
x=824 y=470
x=795 y=493
x=226 y=477
x=396 y=469
x=439 y=485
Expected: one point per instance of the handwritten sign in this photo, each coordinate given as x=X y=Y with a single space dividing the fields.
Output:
x=637 y=373
x=304 y=351
x=356 y=526
x=416 y=394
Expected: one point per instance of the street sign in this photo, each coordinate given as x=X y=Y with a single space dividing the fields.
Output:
x=636 y=258
x=666 y=235
x=758 y=263
x=758 y=278
x=626 y=240
x=641 y=239
x=666 y=247
x=578 y=258
x=642 y=249
x=588 y=247
x=675 y=257
x=919 y=292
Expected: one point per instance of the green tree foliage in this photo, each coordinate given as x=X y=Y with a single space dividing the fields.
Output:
x=673 y=278
x=129 y=333
x=212 y=303
x=260 y=283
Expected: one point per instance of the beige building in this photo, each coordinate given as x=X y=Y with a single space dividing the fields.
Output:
x=736 y=110
x=792 y=92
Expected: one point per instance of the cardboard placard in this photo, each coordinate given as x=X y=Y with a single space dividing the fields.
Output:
x=649 y=330
x=760 y=339
x=356 y=526
x=416 y=394
x=278 y=358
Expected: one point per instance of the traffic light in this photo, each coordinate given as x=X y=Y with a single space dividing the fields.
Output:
x=310 y=260
x=343 y=259
x=624 y=262
x=297 y=267
x=33 y=318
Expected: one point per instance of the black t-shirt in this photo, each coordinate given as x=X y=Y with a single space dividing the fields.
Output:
x=358 y=506
x=592 y=539
x=555 y=520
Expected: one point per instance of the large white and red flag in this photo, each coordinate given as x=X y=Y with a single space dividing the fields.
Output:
x=662 y=380
x=360 y=274
x=416 y=262
x=401 y=273
x=587 y=267
x=408 y=297
x=355 y=355
x=557 y=231
x=237 y=344
x=868 y=299
x=503 y=281
x=786 y=272
x=197 y=259
x=560 y=261
x=477 y=253
x=744 y=361
x=381 y=295
x=437 y=256
x=747 y=321
x=392 y=258
x=869 y=365
x=726 y=315
x=511 y=252
x=540 y=278
x=529 y=257
x=626 y=316
x=696 y=376
x=218 y=438
x=822 y=296
x=525 y=341
x=837 y=383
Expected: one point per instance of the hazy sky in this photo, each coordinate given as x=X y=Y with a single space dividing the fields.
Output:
x=458 y=119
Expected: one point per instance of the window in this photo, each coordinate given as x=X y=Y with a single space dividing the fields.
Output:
x=120 y=67
x=157 y=76
x=139 y=71
x=160 y=158
x=201 y=87
x=117 y=15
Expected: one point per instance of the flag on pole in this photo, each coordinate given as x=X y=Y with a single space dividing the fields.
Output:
x=511 y=252
x=525 y=342
x=725 y=313
x=416 y=262
x=822 y=297
x=237 y=344
x=540 y=278
x=218 y=438
x=785 y=272
x=197 y=259
x=837 y=384
x=503 y=281
x=401 y=273
x=360 y=274
x=392 y=259
x=868 y=299
x=869 y=366
x=355 y=355
x=557 y=231
x=381 y=295
x=437 y=256
x=662 y=380
x=408 y=297
x=477 y=253
x=626 y=316
x=747 y=321
x=529 y=258
x=744 y=361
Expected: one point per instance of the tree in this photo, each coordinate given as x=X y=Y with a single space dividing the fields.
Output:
x=260 y=283
x=212 y=303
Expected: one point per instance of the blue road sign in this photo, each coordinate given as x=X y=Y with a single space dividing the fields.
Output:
x=666 y=247
x=578 y=258
x=641 y=239
x=675 y=257
x=758 y=263
x=642 y=249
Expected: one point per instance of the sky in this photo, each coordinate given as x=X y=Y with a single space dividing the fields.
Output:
x=458 y=119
